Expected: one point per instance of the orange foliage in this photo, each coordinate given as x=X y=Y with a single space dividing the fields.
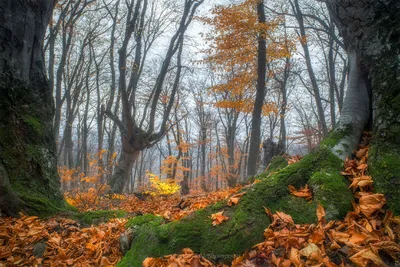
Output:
x=233 y=52
x=85 y=190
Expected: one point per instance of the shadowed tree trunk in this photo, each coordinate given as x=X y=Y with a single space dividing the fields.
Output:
x=255 y=138
x=371 y=33
x=28 y=172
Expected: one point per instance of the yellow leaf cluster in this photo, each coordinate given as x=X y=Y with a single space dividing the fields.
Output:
x=158 y=187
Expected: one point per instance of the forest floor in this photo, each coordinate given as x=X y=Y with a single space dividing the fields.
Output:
x=368 y=236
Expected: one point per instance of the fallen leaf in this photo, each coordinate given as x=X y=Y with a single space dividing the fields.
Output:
x=218 y=218
x=369 y=204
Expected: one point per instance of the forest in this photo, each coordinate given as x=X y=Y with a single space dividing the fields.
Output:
x=200 y=133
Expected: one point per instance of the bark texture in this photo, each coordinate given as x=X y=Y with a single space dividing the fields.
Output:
x=371 y=33
x=28 y=172
x=255 y=137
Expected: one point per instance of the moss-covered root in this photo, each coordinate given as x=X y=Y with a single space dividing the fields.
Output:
x=247 y=220
x=384 y=167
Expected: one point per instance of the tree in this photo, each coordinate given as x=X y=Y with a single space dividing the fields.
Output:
x=371 y=35
x=255 y=137
x=28 y=170
x=139 y=134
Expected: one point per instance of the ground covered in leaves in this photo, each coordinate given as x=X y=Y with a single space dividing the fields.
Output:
x=58 y=241
x=368 y=236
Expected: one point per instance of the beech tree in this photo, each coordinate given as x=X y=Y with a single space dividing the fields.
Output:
x=28 y=166
x=372 y=40
x=139 y=129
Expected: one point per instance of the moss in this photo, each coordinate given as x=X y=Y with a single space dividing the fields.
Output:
x=336 y=135
x=41 y=206
x=219 y=205
x=98 y=216
x=145 y=219
x=330 y=189
x=27 y=148
x=300 y=210
x=277 y=163
x=384 y=167
x=247 y=220
x=34 y=123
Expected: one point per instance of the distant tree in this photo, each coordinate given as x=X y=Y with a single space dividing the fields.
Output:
x=140 y=129
x=28 y=168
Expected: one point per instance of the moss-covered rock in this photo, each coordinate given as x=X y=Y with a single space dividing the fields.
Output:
x=247 y=220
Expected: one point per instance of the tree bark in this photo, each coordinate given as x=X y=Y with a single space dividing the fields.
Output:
x=372 y=35
x=28 y=172
x=255 y=138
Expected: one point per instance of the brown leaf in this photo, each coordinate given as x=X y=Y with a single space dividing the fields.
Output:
x=321 y=214
x=364 y=257
x=369 y=204
x=218 y=218
x=284 y=217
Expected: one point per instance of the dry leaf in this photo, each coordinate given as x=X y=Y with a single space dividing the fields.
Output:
x=369 y=204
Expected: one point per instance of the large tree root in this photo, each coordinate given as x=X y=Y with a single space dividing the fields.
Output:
x=247 y=220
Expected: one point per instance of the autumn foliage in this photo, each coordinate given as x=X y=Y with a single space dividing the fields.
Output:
x=233 y=53
x=85 y=190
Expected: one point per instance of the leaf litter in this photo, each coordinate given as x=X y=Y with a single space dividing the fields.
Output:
x=368 y=235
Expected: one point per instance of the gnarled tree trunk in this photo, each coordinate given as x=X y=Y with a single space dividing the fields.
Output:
x=371 y=32
x=28 y=172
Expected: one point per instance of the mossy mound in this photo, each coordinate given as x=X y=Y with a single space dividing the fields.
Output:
x=247 y=221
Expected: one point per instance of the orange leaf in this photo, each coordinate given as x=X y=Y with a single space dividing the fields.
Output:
x=321 y=213
x=371 y=203
x=218 y=218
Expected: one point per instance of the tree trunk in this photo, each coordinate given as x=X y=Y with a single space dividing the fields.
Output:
x=255 y=138
x=371 y=32
x=122 y=171
x=28 y=172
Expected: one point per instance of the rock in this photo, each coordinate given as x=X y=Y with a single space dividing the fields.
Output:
x=38 y=249
x=125 y=240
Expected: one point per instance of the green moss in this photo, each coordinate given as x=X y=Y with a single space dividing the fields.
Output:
x=384 y=167
x=336 y=135
x=34 y=123
x=219 y=205
x=145 y=219
x=98 y=216
x=277 y=163
x=41 y=206
x=300 y=210
x=247 y=220
x=330 y=189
